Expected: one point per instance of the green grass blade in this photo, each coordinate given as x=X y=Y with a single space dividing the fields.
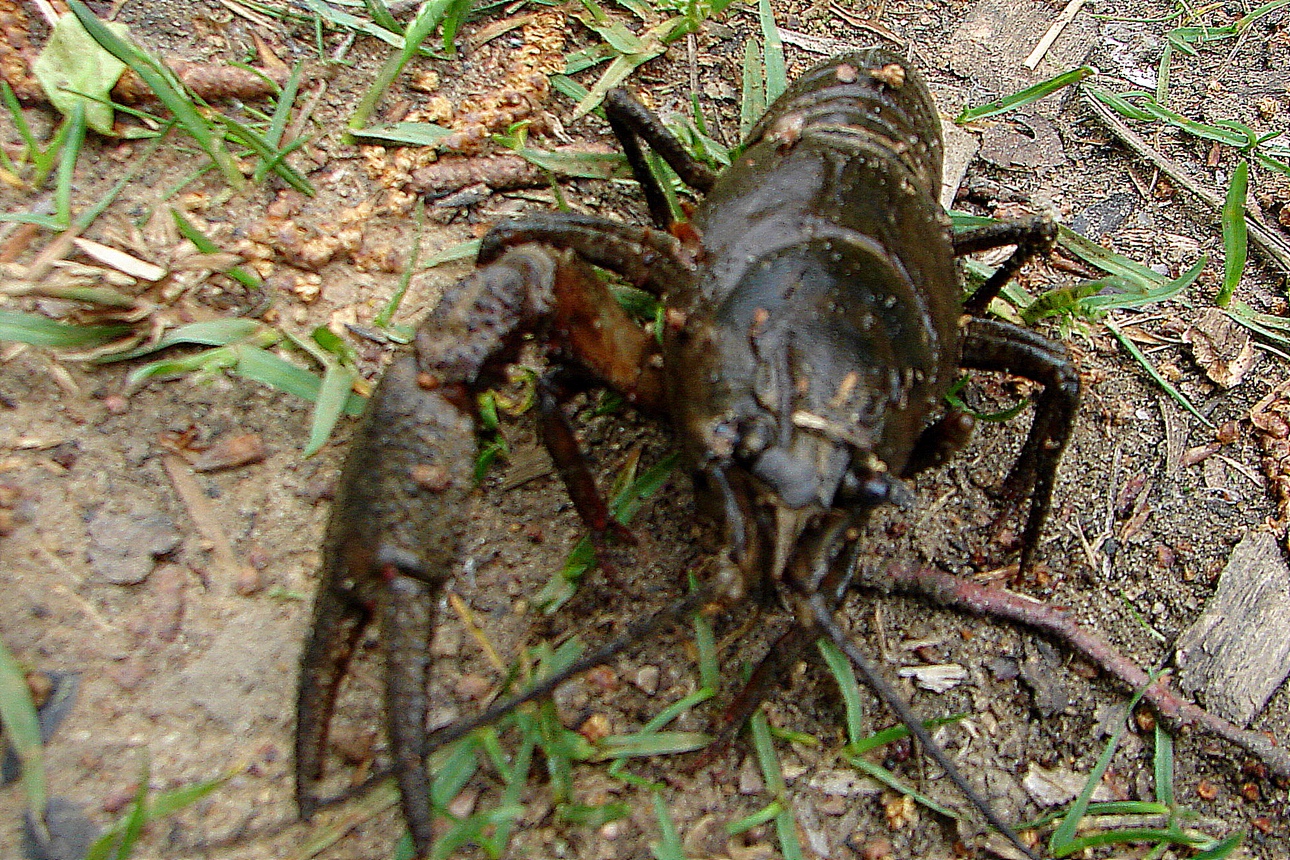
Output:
x=772 y=52
x=705 y=642
x=22 y=731
x=138 y=815
x=618 y=71
x=344 y=21
x=160 y=806
x=268 y=154
x=840 y=667
x=680 y=706
x=49 y=222
x=1119 y=103
x=767 y=760
x=1150 y=368
x=1124 y=836
x=453 y=17
x=461 y=251
x=1235 y=238
x=223 y=332
x=166 y=88
x=1221 y=850
x=766 y=814
x=773 y=775
x=382 y=17
x=333 y=393
x=895 y=733
x=1254 y=14
x=1162 y=73
x=1105 y=259
x=1163 y=292
x=428 y=17
x=581 y=165
x=402 y=134
x=646 y=744
x=1164 y=766
x=67 y=164
x=283 y=106
x=626 y=503
x=19 y=121
x=89 y=215
x=512 y=796
x=42 y=331
x=889 y=779
x=254 y=364
x=1063 y=837
x=669 y=846
x=1027 y=96
x=202 y=243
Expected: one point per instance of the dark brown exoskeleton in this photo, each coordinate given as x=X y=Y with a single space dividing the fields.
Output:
x=813 y=324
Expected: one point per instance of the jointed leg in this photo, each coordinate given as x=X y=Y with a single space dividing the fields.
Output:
x=633 y=122
x=1033 y=237
x=648 y=258
x=561 y=442
x=1002 y=346
x=822 y=615
x=939 y=442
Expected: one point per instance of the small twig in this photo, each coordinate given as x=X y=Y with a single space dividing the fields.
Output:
x=1068 y=14
x=47 y=11
x=869 y=24
x=254 y=17
x=1259 y=231
x=232 y=573
x=963 y=594
x=815 y=44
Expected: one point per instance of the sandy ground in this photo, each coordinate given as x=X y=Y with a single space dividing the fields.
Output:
x=187 y=663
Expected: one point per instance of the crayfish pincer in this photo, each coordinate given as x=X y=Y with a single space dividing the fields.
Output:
x=813 y=321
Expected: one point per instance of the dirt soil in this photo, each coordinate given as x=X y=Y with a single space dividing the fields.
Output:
x=188 y=662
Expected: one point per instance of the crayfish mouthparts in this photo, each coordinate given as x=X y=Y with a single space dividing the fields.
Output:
x=813 y=322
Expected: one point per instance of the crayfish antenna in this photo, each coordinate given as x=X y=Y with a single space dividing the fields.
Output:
x=823 y=617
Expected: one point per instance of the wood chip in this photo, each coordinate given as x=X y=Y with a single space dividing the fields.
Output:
x=231 y=453
x=938 y=678
x=1237 y=653
x=120 y=260
x=1068 y=15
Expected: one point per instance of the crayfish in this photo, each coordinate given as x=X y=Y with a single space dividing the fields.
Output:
x=813 y=321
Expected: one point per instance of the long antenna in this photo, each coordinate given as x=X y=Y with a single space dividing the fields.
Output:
x=823 y=616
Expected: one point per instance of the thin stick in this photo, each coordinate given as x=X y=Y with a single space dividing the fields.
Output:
x=963 y=594
x=1068 y=15
x=633 y=635
x=1259 y=231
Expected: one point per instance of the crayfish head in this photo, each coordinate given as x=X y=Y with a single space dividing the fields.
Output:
x=781 y=499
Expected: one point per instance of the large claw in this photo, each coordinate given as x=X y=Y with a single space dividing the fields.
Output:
x=396 y=523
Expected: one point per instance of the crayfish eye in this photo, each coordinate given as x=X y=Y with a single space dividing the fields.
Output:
x=874 y=489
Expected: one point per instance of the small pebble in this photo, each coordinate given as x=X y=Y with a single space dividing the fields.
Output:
x=646 y=679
